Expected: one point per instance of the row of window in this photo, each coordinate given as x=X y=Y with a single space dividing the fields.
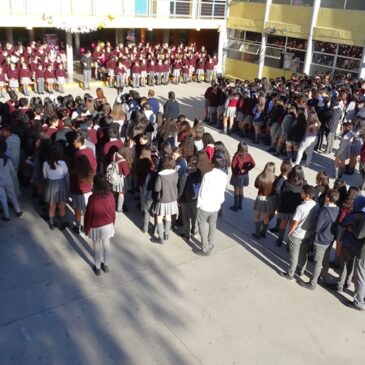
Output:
x=334 y=4
x=289 y=53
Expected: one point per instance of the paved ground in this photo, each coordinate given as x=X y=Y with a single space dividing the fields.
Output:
x=165 y=305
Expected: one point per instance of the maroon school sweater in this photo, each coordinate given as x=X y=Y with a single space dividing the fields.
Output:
x=100 y=211
x=88 y=152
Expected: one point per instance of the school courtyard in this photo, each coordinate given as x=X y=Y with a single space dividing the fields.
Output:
x=164 y=305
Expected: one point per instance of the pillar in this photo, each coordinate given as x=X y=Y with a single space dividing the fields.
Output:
x=69 y=56
x=194 y=9
x=166 y=36
x=77 y=43
x=309 y=53
x=9 y=35
x=142 y=35
x=264 y=40
x=362 y=66
x=119 y=35
x=222 y=42
x=31 y=35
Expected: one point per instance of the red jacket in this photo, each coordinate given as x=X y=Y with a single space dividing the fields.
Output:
x=100 y=211
x=88 y=152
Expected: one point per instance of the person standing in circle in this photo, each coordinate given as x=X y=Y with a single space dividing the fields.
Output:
x=99 y=222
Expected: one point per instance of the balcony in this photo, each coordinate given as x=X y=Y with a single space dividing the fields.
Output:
x=171 y=9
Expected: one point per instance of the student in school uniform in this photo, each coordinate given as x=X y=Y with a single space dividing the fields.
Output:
x=99 y=222
x=2 y=82
x=264 y=204
x=242 y=164
x=60 y=78
x=39 y=79
x=49 y=75
x=136 y=74
x=7 y=186
x=24 y=75
x=56 y=175
x=12 y=76
x=151 y=71
x=120 y=74
x=159 y=72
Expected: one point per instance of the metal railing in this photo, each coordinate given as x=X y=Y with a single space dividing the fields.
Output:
x=189 y=9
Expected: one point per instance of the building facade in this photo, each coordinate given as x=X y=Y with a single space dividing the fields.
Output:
x=274 y=38
x=76 y=22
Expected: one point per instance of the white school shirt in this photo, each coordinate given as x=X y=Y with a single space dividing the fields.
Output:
x=59 y=173
x=212 y=189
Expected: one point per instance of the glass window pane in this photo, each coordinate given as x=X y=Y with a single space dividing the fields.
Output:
x=274 y=52
x=252 y=58
x=257 y=1
x=320 y=69
x=285 y=2
x=273 y=62
x=232 y=44
x=323 y=59
x=325 y=47
x=341 y=72
x=355 y=4
x=334 y=4
x=303 y=2
x=252 y=48
x=296 y=43
x=275 y=40
x=253 y=37
x=230 y=33
x=234 y=55
x=350 y=51
x=348 y=64
x=297 y=54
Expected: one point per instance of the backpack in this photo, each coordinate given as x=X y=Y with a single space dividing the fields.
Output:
x=112 y=172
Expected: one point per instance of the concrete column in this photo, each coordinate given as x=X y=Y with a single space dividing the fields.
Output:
x=166 y=34
x=31 y=35
x=77 y=43
x=309 y=53
x=221 y=44
x=9 y=35
x=119 y=35
x=362 y=66
x=69 y=56
x=194 y=9
x=264 y=40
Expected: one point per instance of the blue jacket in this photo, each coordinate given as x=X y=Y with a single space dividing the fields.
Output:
x=325 y=227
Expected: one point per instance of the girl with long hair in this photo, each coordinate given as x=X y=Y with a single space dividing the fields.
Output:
x=99 y=222
x=56 y=174
x=264 y=206
x=242 y=164
x=81 y=187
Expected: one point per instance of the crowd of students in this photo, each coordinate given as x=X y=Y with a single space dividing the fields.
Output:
x=99 y=155
x=144 y=64
x=42 y=67
x=294 y=117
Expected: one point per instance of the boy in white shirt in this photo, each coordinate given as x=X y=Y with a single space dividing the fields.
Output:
x=301 y=233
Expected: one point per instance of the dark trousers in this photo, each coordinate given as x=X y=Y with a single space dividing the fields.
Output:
x=189 y=213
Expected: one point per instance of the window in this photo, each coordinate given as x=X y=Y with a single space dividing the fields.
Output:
x=336 y=58
x=334 y=4
x=355 y=4
x=303 y=2
x=243 y=45
x=284 y=2
x=285 y=52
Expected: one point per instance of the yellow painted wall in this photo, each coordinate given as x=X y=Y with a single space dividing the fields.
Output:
x=290 y=21
x=248 y=16
x=240 y=70
x=340 y=26
x=271 y=72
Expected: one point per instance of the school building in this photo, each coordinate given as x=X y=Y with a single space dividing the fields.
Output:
x=274 y=38
x=79 y=23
